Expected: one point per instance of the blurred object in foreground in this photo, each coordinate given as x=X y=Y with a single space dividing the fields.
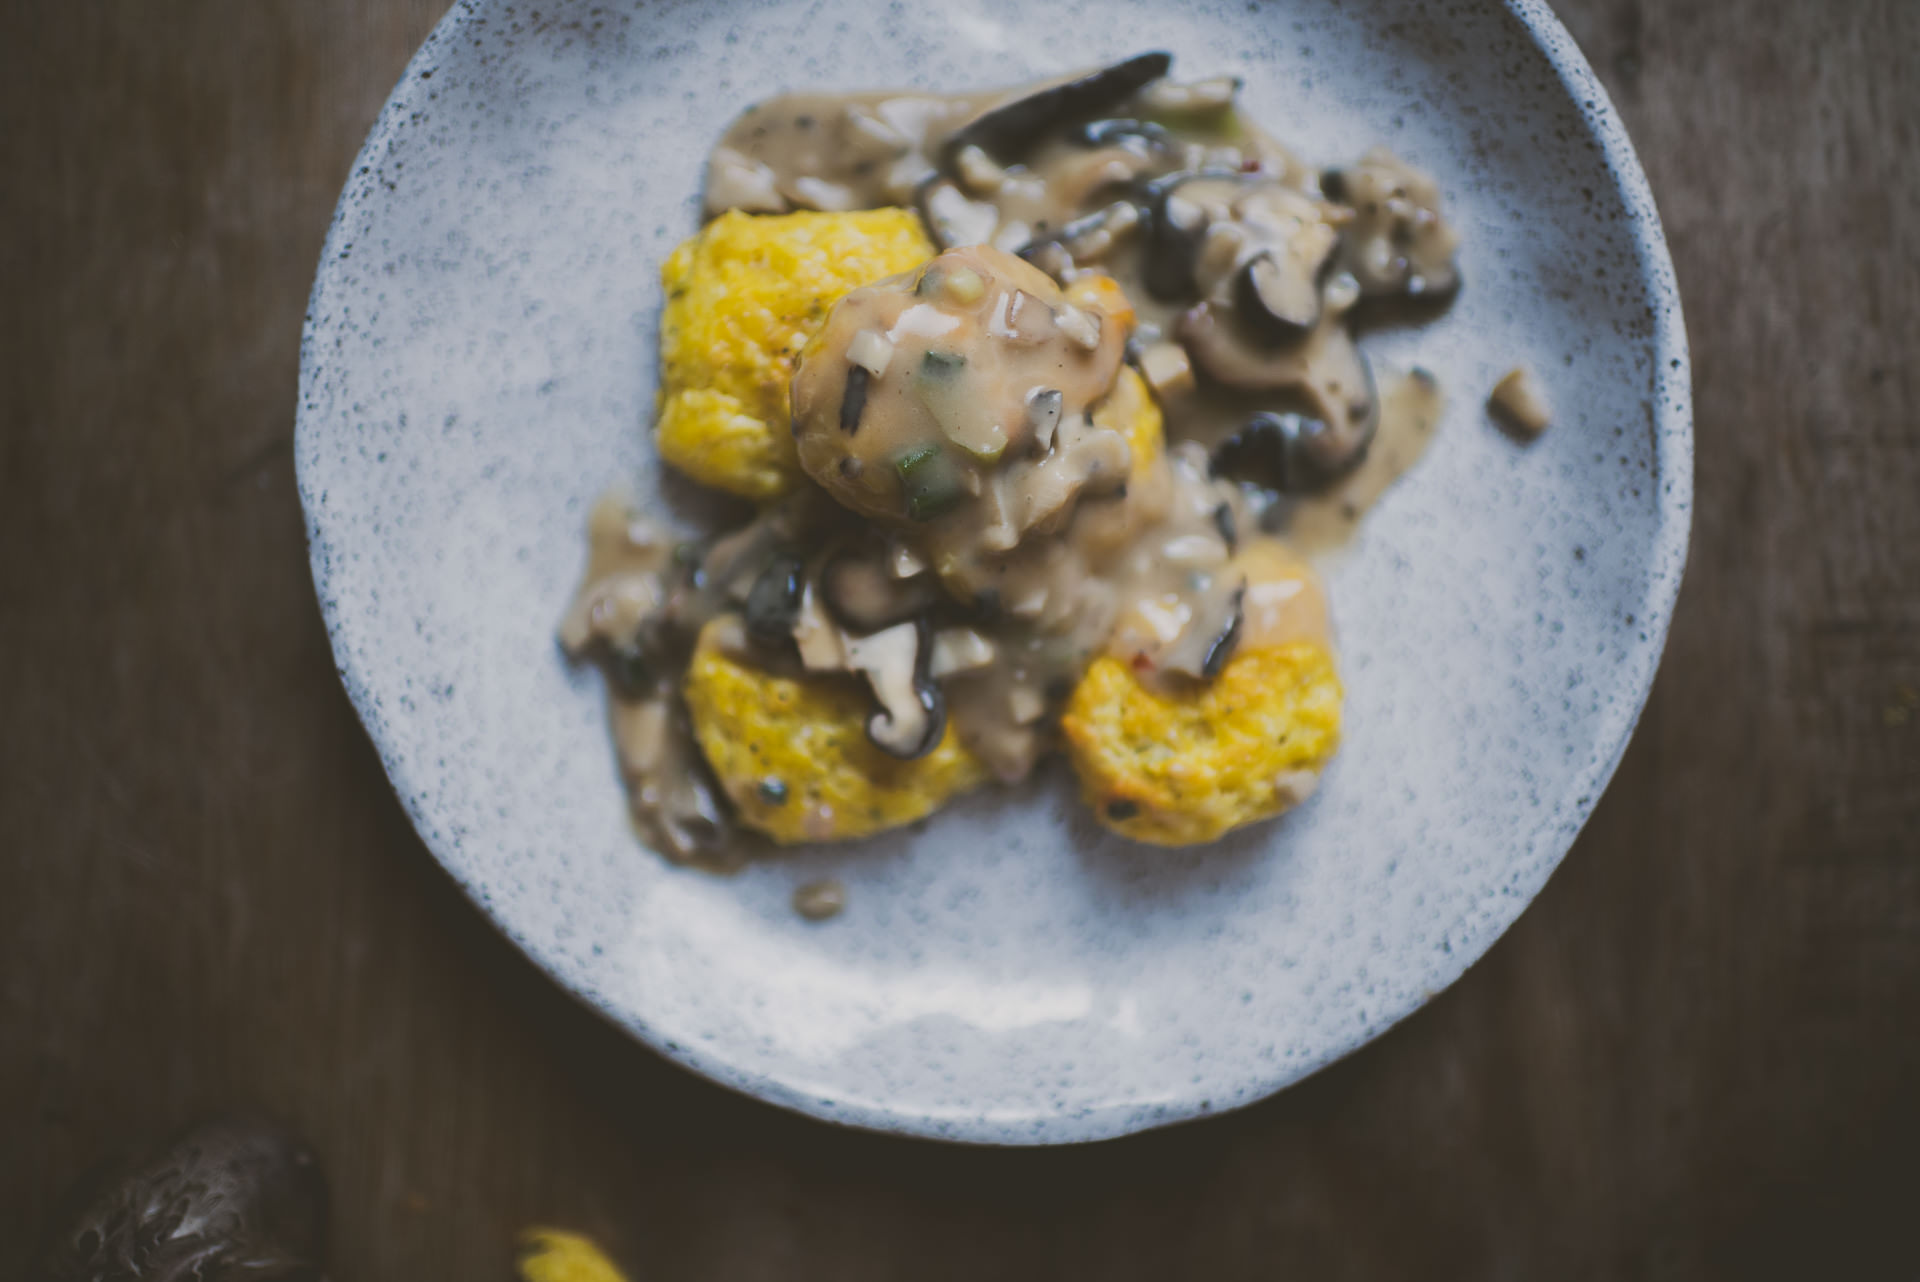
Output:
x=233 y=1200
x=551 y=1255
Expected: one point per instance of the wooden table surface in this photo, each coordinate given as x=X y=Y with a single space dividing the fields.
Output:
x=1696 y=1056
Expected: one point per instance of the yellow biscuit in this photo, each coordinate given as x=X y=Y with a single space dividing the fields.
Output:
x=1175 y=768
x=743 y=297
x=793 y=753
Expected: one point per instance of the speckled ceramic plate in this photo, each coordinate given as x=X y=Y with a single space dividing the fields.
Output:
x=479 y=365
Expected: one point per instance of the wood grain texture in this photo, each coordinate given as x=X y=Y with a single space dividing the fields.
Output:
x=1696 y=1056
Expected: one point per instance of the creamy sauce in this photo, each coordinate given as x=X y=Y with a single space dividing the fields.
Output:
x=1409 y=416
x=1243 y=263
x=625 y=589
x=982 y=530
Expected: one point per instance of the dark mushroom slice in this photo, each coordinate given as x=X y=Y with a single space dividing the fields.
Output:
x=675 y=797
x=692 y=815
x=1209 y=640
x=639 y=664
x=773 y=603
x=1091 y=238
x=1291 y=453
x=1326 y=372
x=1397 y=244
x=1223 y=521
x=896 y=663
x=1278 y=293
x=1180 y=207
x=228 y=1200
x=1087 y=239
x=1229 y=638
x=1006 y=130
x=865 y=595
x=1304 y=453
x=1273 y=450
x=1050 y=256
x=1341 y=389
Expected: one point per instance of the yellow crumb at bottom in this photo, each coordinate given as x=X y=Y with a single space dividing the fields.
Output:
x=743 y=297
x=1175 y=768
x=793 y=753
x=552 y=1255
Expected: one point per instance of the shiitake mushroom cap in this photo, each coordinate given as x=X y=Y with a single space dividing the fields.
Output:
x=1004 y=131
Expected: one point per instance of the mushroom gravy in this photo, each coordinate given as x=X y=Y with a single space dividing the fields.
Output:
x=983 y=527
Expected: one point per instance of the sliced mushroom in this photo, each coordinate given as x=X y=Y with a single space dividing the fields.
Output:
x=1397 y=243
x=773 y=602
x=1212 y=340
x=1289 y=453
x=1278 y=291
x=1326 y=372
x=1004 y=130
x=896 y=663
x=1224 y=521
x=1180 y=207
x=818 y=638
x=673 y=795
x=1092 y=238
x=630 y=561
x=638 y=664
x=1229 y=639
x=1210 y=636
x=865 y=595
x=1088 y=239
x=1050 y=256
x=1076 y=182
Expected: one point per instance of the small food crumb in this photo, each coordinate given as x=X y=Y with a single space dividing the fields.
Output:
x=1518 y=402
x=819 y=900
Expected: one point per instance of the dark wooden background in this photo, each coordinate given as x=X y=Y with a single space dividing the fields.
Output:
x=1697 y=1056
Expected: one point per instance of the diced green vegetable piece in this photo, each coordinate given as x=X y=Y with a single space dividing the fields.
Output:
x=936 y=364
x=1218 y=125
x=931 y=482
x=951 y=399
